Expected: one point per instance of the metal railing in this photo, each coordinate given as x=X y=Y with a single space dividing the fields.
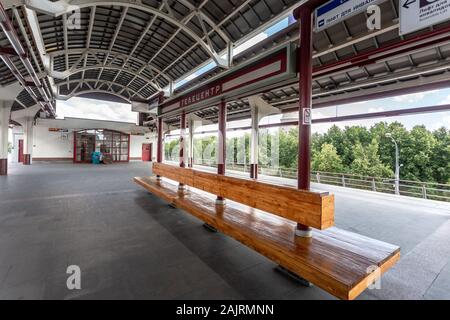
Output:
x=417 y=189
x=425 y=190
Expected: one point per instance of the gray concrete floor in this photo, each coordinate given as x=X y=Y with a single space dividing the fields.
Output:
x=130 y=245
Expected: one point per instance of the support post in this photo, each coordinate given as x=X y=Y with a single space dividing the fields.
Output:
x=221 y=147
x=259 y=109
x=254 y=143
x=159 y=146
x=182 y=144
x=304 y=65
x=28 y=140
x=5 y=110
x=191 y=143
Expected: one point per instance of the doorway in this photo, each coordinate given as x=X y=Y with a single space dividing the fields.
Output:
x=113 y=145
x=84 y=146
x=146 y=152
x=20 y=151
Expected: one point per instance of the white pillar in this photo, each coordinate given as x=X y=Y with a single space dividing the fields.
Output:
x=191 y=142
x=5 y=110
x=28 y=140
x=259 y=109
x=254 y=141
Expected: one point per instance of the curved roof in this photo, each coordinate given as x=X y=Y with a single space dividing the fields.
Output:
x=351 y=64
x=131 y=49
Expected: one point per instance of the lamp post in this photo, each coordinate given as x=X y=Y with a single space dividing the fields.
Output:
x=397 y=165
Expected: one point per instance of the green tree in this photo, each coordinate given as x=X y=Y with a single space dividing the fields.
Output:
x=440 y=157
x=367 y=162
x=416 y=154
x=288 y=148
x=327 y=159
x=171 y=150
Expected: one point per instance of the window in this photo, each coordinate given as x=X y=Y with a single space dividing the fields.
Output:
x=110 y=143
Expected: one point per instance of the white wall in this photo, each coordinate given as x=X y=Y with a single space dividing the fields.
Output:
x=47 y=144
x=52 y=145
x=17 y=135
x=136 y=145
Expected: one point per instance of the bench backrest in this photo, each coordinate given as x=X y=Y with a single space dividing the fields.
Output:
x=309 y=208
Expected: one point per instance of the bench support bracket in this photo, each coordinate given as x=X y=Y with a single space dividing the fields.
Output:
x=305 y=232
x=293 y=276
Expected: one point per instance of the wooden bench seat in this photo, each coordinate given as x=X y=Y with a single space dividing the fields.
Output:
x=315 y=209
x=340 y=262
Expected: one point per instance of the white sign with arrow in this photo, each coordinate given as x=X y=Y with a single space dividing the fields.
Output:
x=419 y=14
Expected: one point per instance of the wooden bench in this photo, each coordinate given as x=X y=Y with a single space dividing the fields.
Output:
x=263 y=217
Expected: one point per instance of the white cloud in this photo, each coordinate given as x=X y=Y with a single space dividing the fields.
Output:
x=445 y=101
x=379 y=109
x=95 y=109
x=443 y=122
x=410 y=98
x=414 y=97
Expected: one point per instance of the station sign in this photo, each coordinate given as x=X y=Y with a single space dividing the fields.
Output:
x=307 y=118
x=267 y=71
x=335 y=11
x=419 y=14
x=202 y=94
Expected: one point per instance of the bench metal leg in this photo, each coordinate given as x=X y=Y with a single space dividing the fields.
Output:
x=303 y=231
x=294 y=276
x=209 y=227
x=220 y=201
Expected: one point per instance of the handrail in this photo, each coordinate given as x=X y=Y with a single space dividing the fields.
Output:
x=417 y=189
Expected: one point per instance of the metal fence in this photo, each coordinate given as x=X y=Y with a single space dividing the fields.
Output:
x=425 y=190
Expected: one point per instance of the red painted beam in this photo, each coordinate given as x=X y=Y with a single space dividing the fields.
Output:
x=8 y=51
x=386 y=114
x=305 y=68
x=432 y=38
x=222 y=126
x=159 y=143
x=182 y=138
x=378 y=95
x=304 y=63
x=222 y=140
x=393 y=113
x=310 y=4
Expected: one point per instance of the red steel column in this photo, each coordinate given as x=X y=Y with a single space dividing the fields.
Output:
x=182 y=140
x=304 y=64
x=159 y=145
x=221 y=146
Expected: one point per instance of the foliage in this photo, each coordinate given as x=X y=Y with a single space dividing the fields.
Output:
x=424 y=155
x=327 y=159
x=367 y=162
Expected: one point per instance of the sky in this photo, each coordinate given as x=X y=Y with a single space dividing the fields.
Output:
x=432 y=121
x=95 y=109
